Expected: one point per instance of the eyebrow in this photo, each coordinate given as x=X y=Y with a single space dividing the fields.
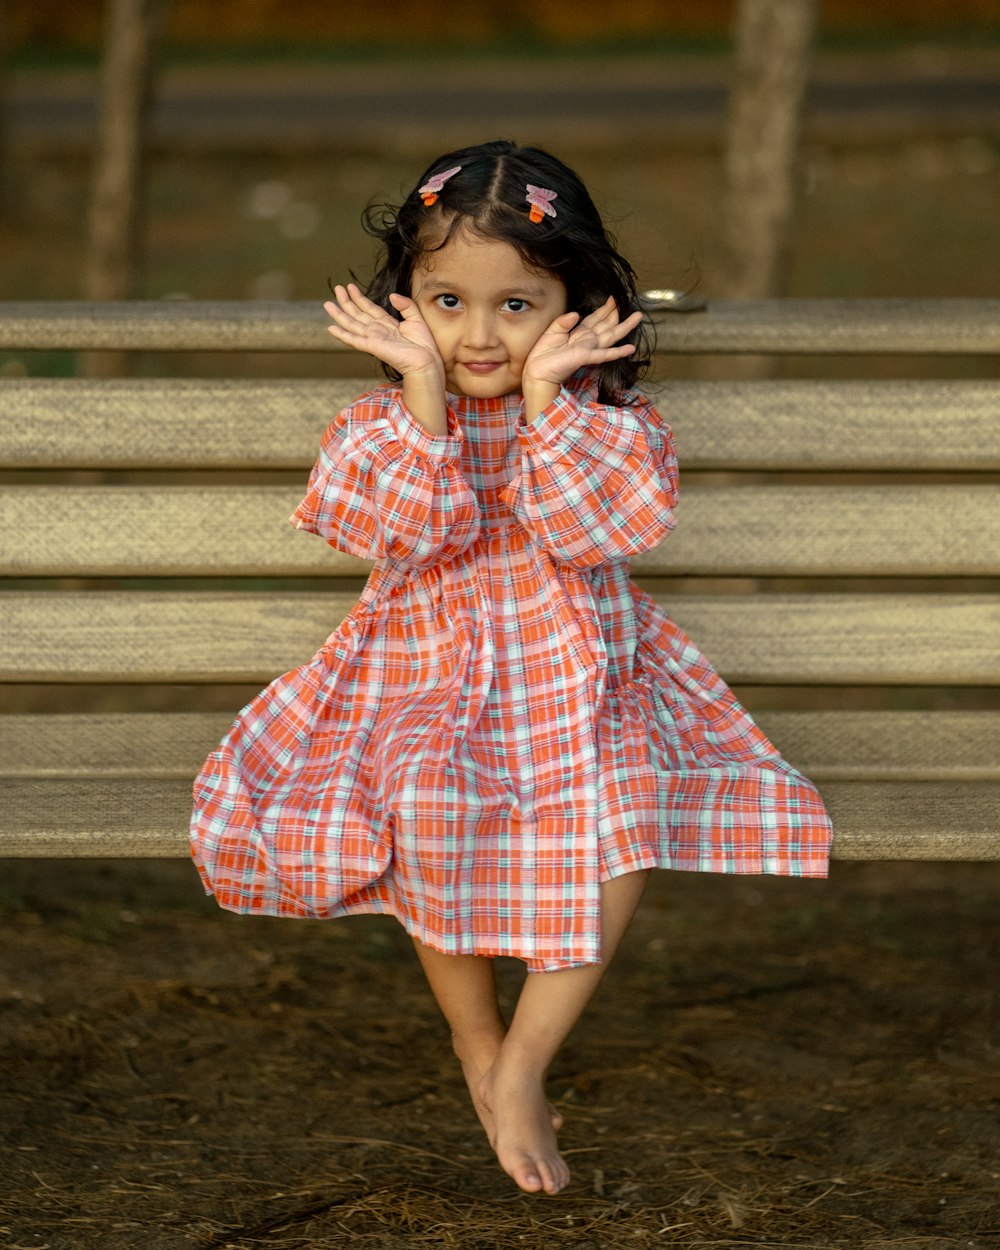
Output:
x=507 y=293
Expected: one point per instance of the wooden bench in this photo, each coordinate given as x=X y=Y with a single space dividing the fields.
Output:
x=874 y=503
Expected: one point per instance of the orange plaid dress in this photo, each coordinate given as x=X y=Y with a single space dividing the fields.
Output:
x=504 y=720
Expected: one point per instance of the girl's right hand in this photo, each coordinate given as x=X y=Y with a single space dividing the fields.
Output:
x=407 y=346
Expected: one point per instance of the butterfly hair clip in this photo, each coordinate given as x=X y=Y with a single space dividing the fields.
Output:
x=540 y=199
x=433 y=187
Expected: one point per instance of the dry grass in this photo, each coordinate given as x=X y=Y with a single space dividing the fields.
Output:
x=771 y=1064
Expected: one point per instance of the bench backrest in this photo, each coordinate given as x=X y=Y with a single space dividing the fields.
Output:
x=836 y=533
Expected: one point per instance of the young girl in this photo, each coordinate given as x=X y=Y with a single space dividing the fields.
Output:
x=505 y=734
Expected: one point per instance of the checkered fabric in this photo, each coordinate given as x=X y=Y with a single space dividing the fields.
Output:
x=504 y=720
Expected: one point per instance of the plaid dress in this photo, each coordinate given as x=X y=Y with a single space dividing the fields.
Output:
x=504 y=720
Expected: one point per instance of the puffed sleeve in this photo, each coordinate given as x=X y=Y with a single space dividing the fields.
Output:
x=596 y=482
x=385 y=489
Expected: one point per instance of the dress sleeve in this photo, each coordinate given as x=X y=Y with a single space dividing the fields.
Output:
x=385 y=489
x=596 y=482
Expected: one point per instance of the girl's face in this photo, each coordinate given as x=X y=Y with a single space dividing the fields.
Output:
x=486 y=310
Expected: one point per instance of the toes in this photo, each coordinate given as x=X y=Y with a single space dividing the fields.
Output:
x=526 y=1175
x=543 y=1175
x=534 y=1176
x=555 y=1175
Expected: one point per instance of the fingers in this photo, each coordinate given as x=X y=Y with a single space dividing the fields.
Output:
x=563 y=323
x=631 y=322
x=352 y=296
x=405 y=306
x=349 y=314
x=405 y=345
x=597 y=336
x=360 y=322
x=351 y=307
x=604 y=322
x=603 y=355
x=572 y=342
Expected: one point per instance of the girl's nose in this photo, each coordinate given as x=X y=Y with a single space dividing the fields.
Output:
x=479 y=329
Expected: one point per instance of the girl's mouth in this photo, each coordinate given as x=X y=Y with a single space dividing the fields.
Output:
x=481 y=366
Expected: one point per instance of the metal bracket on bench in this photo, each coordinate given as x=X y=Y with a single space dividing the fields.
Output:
x=666 y=300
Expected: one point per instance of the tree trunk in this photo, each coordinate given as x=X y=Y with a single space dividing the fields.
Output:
x=112 y=267
x=5 y=179
x=774 y=40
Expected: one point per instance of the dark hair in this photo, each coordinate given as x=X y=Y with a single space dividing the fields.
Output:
x=488 y=196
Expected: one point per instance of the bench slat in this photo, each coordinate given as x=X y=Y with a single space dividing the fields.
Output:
x=860 y=326
x=753 y=531
x=175 y=423
x=269 y=424
x=827 y=746
x=149 y=819
x=211 y=637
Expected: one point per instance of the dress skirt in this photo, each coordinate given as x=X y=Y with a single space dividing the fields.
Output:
x=504 y=720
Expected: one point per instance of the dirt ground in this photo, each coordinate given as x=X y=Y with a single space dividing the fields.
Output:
x=770 y=1063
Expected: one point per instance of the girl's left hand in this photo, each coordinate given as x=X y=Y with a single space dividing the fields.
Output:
x=570 y=344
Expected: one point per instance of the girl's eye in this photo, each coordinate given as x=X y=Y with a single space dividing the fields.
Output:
x=448 y=301
x=515 y=305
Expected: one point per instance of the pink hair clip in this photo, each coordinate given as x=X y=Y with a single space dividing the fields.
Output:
x=540 y=199
x=433 y=187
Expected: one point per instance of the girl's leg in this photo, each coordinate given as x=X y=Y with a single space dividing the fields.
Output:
x=513 y=1090
x=465 y=989
x=505 y=1070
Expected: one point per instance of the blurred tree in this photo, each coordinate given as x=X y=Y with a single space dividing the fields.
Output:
x=773 y=48
x=131 y=36
x=4 y=137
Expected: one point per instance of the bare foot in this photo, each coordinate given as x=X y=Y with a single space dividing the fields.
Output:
x=476 y=1061
x=524 y=1138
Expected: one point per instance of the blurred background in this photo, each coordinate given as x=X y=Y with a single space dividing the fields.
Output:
x=271 y=125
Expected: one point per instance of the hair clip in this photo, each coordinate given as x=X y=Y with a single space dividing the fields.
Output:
x=540 y=199
x=433 y=187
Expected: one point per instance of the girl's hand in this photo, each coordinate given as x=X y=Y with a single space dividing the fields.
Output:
x=407 y=346
x=570 y=344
